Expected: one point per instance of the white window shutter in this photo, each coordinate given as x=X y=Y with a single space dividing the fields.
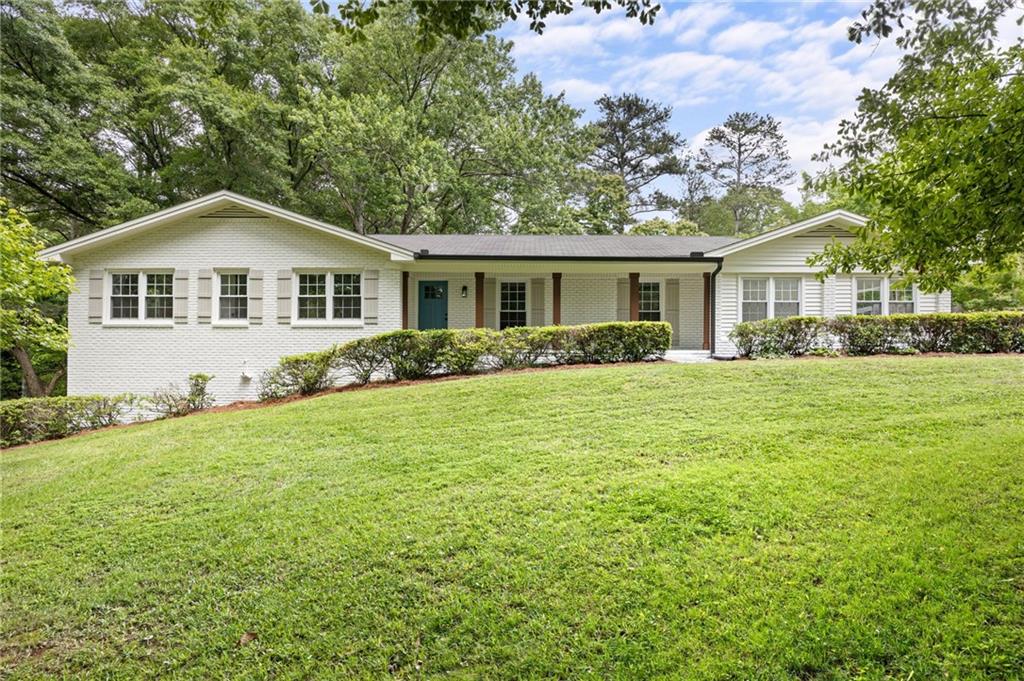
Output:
x=204 y=296
x=255 y=296
x=490 y=314
x=622 y=300
x=284 y=296
x=536 y=302
x=95 y=296
x=180 y=296
x=370 y=293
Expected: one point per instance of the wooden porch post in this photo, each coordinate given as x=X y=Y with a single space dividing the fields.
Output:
x=556 y=298
x=634 y=296
x=707 y=311
x=479 y=300
x=405 y=300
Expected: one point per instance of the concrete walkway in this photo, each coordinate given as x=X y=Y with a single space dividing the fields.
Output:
x=688 y=356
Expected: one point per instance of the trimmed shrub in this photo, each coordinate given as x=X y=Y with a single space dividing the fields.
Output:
x=172 y=401
x=612 y=342
x=362 y=359
x=303 y=374
x=519 y=347
x=973 y=332
x=32 y=419
x=467 y=350
x=413 y=354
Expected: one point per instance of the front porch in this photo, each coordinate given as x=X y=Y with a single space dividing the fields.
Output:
x=505 y=294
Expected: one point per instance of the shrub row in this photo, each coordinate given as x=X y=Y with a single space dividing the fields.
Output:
x=33 y=419
x=873 y=335
x=409 y=355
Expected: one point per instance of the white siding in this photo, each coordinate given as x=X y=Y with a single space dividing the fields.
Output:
x=107 y=359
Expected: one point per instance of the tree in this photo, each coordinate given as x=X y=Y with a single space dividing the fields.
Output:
x=663 y=227
x=26 y=285
x=992 y=287
x=439 y=18
x=636 y=144
x=117 y=109
x=938 y=149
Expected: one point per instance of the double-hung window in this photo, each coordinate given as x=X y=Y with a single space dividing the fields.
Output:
x=141 y=296
x=787 y=297
x=869 y=295
x=329 y=296
x=650 y=301
x=234 y=295
x=512 y=304
x=901 y=297
x=754 y=302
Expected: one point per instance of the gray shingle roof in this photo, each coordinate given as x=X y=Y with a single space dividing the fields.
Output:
x=554 y=246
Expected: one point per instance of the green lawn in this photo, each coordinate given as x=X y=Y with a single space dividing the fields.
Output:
x=810 y=519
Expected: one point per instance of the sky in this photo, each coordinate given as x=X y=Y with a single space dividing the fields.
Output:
x=792 y=60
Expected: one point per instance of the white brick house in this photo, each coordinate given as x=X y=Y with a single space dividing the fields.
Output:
x=227 y=285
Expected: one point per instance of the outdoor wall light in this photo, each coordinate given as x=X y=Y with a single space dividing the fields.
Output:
x=465 y=291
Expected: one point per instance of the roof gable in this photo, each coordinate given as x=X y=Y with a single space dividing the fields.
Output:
x=833 y=223
x=220 y=205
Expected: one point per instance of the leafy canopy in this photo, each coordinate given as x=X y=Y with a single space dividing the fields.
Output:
x=939 y=149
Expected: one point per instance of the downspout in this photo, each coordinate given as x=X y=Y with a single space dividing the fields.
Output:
x=714 y=304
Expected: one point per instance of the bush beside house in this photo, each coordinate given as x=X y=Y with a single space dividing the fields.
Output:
x=974 y=332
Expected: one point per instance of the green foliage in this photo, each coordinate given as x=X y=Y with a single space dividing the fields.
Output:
x=437 y=19
x=408 y=355
x=31 y=419
x=791 y=336
x=112 y=110
x=975 y=332
x=992 y=287
x=636 y=146
x=937 y=149
x=663 y=227
x=173 y=401
x=303 y=374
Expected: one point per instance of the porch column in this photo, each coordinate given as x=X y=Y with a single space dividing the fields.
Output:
x=405 y=300
x=479 y=299
x=634 y=296
x=556 y=298
x=707 y=311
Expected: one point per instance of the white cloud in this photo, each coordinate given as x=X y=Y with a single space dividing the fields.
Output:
x=579 y=91
x=692 y=23
x=748 y=36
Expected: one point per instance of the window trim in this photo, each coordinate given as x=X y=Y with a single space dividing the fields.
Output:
x=141 y=320
x=329 y=320
x=661 y=295
x=216 y=319
x=886 y=287
x=801 y=290
x=497 y=298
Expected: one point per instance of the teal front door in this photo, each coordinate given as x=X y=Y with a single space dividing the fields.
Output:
x=433 y=310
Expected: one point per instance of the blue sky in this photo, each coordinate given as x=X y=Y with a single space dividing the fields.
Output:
x=790 y=59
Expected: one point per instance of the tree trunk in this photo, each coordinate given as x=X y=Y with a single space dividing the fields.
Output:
x=33 y=386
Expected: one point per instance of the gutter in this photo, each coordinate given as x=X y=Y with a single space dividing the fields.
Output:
x=420 y=255
x=714 y=304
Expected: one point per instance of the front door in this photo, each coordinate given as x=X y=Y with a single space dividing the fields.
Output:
x=433 y=305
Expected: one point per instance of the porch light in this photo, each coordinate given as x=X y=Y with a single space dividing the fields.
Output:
x=465 y=291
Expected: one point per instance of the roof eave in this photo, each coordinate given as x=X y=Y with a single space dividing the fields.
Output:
x=833 y=216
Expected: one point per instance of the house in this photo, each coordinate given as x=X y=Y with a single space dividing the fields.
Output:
x=226 y=285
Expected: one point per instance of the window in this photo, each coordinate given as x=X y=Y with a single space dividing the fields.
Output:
x=513 y=304
x=313 y=296
x=234 y=295
x=755 y=299
x=328 y=296
x=141 y=295
x=869 y=296
x=650 y=301
x=787 y=297
x=348 y=299
x=124 y=296
x=901 y=298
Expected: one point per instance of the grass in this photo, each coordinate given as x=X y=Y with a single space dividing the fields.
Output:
x=777 y=519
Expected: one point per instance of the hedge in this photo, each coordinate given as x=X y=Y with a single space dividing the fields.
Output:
x=408 y=355
x=31 y=419
x=972 y=332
